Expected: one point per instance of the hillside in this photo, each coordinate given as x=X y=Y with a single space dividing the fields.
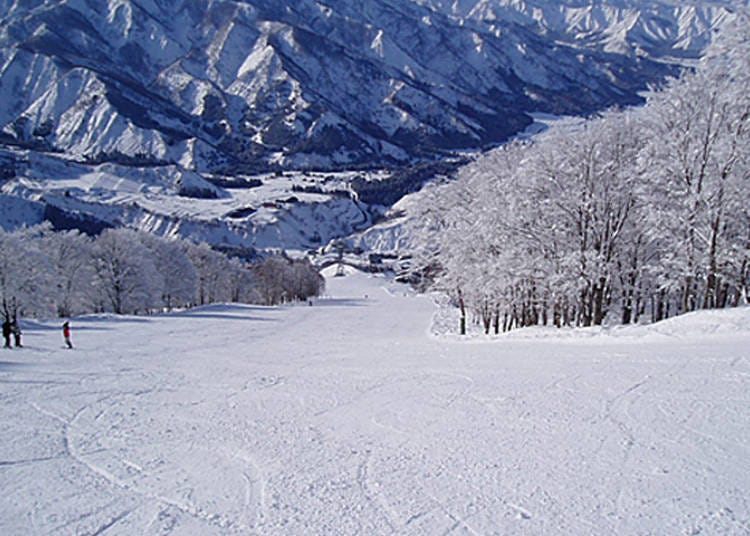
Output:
x=347 y=417
x=227 y=85
x=202 y=99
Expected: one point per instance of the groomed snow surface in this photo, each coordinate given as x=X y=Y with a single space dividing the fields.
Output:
x=350 y=417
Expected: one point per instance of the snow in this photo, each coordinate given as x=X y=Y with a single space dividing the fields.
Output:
x=145 y=198
x=272 y=65
x=349 y=417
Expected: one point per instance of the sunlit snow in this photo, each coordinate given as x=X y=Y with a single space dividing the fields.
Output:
x=351 y=417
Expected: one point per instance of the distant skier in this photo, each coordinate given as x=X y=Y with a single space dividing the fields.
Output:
x=66 y=334
x=7 y=330
x=16 y=330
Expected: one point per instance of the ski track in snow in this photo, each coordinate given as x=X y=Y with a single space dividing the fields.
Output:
x=349 y=418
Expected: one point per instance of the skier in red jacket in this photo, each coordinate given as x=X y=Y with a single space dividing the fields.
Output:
x=66 y=334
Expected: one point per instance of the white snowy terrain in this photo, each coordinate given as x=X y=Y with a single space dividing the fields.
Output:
x=271 y=212
x=351 y=417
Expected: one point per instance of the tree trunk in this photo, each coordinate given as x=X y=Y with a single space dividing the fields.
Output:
x=627 y=308
x=597 y=302
x=557 y=314
x=688 y=300
x=462 y=307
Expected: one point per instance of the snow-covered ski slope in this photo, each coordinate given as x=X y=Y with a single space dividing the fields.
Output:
x=349 y=417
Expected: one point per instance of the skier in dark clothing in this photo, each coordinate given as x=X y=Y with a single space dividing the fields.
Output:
x=7 y=330
x=16 y=329
x=66 y=334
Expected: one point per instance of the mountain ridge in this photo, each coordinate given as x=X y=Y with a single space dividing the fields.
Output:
x=189 y=102
x=296 y=84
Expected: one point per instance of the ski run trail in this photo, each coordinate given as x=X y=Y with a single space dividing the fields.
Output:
x=352 y=417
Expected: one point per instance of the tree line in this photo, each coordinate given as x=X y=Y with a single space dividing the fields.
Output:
x=631 y=215
x=46 y=273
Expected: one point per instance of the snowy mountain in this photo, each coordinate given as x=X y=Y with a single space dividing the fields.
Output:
x=220 y=84
x=653 y=28
x=186 y=97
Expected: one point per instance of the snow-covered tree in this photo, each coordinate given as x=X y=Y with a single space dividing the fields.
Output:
x=126 y=277
x=179 y=279
x=587 y=186
x=69 y=256
x=212 y=268
x=241 y=283
x=280 y=279
x=25 y=274
x=699 y=128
